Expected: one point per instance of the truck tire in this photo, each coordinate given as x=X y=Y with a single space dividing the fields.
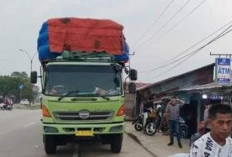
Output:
x=116 y=143
x=49 y=144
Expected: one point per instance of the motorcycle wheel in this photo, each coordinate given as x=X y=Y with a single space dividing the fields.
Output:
x=150 y=129
x=138 y=126
x=184 y=131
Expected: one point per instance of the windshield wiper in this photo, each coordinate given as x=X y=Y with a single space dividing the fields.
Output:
x=67 y=94
x=103 y=96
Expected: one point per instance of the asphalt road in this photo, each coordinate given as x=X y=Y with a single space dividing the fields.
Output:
x=20 y=136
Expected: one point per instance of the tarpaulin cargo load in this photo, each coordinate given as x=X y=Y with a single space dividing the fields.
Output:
x=81 y=35
x=123 y=58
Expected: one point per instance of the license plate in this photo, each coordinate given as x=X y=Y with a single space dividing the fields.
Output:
x=84 y=133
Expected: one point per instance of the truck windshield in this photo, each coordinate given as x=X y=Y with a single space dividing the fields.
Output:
x=82 y=80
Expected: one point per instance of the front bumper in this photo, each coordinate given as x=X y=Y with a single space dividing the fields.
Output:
x=71 y=129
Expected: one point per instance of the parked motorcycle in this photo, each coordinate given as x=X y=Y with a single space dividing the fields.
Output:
x=151 y=122
x=138 y=122
x=183 y=128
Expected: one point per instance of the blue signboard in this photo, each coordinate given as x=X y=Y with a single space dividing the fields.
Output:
x=223 y=71
x=21 y=86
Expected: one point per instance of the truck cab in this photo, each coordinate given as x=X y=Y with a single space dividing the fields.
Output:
x=82 y=98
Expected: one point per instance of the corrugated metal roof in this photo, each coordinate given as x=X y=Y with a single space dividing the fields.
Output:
x=202 y=87
x=172 y=78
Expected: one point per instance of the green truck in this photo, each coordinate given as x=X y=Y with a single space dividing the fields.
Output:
x=83 y=98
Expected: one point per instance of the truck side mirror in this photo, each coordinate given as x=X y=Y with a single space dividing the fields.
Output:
x=33 y=77
x=132 y=88
x=133 y=74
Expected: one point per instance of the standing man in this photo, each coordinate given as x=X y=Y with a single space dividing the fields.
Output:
x=173 y=115
x=216 y=143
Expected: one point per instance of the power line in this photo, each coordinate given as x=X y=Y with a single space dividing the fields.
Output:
x=195 y=52
x=175 y=58
x=156 y=20
x=217 y=37
x=185 y=17
x=226 y=31
x=169 y=20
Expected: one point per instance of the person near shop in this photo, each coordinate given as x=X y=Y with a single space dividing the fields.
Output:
x=173 y=114
x=148 y=105
x=206 y=115
x=217 y=142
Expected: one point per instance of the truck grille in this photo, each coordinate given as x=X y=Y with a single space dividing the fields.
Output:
x=67 y=115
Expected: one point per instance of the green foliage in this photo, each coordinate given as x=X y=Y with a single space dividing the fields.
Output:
x=20 y=74
x=9 y=85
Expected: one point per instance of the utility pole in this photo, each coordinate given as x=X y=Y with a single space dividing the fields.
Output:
x=30 y=57
x=31 y=60
x=20 y=90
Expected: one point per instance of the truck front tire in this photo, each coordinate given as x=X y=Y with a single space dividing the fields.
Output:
x=116 y=143
x=49 y=144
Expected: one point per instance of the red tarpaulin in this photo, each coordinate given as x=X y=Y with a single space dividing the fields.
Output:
x=75 y=34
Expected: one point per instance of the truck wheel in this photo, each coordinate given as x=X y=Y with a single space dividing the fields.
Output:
x=49 y=144
x=116 y=143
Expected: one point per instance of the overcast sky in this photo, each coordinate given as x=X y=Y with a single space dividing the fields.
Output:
x=21 y=21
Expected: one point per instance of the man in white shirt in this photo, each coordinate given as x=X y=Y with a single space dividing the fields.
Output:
x=216 y=143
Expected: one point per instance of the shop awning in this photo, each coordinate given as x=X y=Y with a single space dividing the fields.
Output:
x=205 y=87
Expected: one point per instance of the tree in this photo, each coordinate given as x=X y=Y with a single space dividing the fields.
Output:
x=20 y=74
x=9 y=85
